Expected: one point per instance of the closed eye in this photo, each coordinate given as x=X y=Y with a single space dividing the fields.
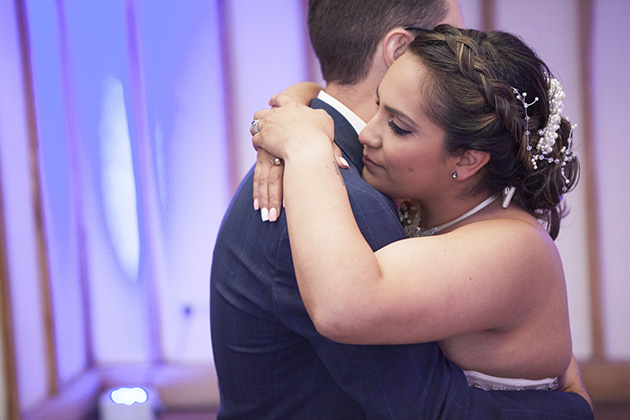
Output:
x=396 y=129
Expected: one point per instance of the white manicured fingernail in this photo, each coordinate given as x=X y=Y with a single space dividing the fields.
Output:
x=264 y=214
x=256 y=205
x=344 y=163
x=273 y=214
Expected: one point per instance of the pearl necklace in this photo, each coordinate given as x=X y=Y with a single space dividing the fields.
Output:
x=432 y=231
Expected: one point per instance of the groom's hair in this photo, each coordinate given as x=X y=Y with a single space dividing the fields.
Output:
x=345 y=33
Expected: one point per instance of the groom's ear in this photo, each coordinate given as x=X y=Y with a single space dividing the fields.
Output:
x=395 y=43
x=471 y=162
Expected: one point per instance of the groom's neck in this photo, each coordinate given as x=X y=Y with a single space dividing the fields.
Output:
x=360 y=98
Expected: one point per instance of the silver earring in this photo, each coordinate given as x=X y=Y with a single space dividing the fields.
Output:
x=454 y=175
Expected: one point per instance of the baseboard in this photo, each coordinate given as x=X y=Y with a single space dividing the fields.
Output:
x=76 y=400
x=607 y=382
x=180 y=387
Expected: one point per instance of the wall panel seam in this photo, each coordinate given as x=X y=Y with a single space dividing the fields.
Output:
x=585 y=36
x=36 y=195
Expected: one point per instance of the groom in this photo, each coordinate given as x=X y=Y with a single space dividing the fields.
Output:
x=270 y=360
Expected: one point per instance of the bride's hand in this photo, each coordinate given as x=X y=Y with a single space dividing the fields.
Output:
x=268 y=183
x=291 y=127
x=268 y=176
x=267 y=186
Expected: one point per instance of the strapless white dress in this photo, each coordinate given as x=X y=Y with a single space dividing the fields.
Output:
x=494 y=383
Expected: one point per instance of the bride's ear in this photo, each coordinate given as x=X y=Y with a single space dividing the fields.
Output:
x=471 y=162
x=395 y=43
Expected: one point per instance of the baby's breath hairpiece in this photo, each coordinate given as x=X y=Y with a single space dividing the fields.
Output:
x=549 y=133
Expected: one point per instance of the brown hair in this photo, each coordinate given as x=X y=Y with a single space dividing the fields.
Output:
x=471 y=98
x=345 y=34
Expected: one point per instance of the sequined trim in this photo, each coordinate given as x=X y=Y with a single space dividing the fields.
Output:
x=494 y=383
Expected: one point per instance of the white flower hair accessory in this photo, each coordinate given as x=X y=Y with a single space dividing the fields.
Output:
x=549 y=133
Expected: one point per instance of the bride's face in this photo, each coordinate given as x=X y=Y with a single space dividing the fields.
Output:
x=403 y=152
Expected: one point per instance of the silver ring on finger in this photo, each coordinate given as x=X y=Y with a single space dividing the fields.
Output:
x=255 y=126
x=277 y=161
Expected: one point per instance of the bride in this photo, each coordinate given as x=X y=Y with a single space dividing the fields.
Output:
x=469 y=126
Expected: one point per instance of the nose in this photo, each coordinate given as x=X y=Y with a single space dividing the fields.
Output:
x=368 y=136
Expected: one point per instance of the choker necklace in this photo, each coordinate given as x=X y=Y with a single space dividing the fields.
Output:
x=418 y=231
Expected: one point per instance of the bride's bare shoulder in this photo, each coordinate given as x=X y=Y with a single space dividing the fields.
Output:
x=516 y=238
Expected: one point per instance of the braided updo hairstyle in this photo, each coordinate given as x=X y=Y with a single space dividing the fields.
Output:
x=471 y=98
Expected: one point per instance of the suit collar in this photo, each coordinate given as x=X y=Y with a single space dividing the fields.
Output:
x=346 y=136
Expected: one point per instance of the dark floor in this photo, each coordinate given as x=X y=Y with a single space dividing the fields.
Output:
x=602 y=412
x=184 y=415
x=188 y=416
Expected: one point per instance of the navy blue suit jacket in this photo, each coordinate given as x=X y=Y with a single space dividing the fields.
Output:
x=271 y=362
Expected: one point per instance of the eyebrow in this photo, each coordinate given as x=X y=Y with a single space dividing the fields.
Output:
x=396 y=112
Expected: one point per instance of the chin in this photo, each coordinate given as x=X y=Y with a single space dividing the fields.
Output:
x=380 y=187
x=370 y=178
x=377 y=183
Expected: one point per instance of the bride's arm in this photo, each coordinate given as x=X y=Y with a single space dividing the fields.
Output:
x=303 y=92
x=303 y=139
x=267 y=176
x=409 y=291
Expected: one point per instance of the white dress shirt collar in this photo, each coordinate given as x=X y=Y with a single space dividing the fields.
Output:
x=357 y=123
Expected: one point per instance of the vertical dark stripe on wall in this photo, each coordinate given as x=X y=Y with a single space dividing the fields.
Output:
x=585 y=34
x=38 y=211
x=488 y=8
x=225 y=42
x=8 y=345
x=75 y=187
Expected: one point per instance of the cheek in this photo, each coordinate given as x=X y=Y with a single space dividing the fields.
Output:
x=407 y=162
x=404 y=171
x=414 y=167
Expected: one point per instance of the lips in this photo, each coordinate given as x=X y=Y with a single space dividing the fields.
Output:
x=369 y=162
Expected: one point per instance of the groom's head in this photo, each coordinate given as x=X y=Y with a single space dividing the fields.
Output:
x=346 y=34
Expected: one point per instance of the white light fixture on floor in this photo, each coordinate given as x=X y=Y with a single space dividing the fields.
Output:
x=128 y=403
